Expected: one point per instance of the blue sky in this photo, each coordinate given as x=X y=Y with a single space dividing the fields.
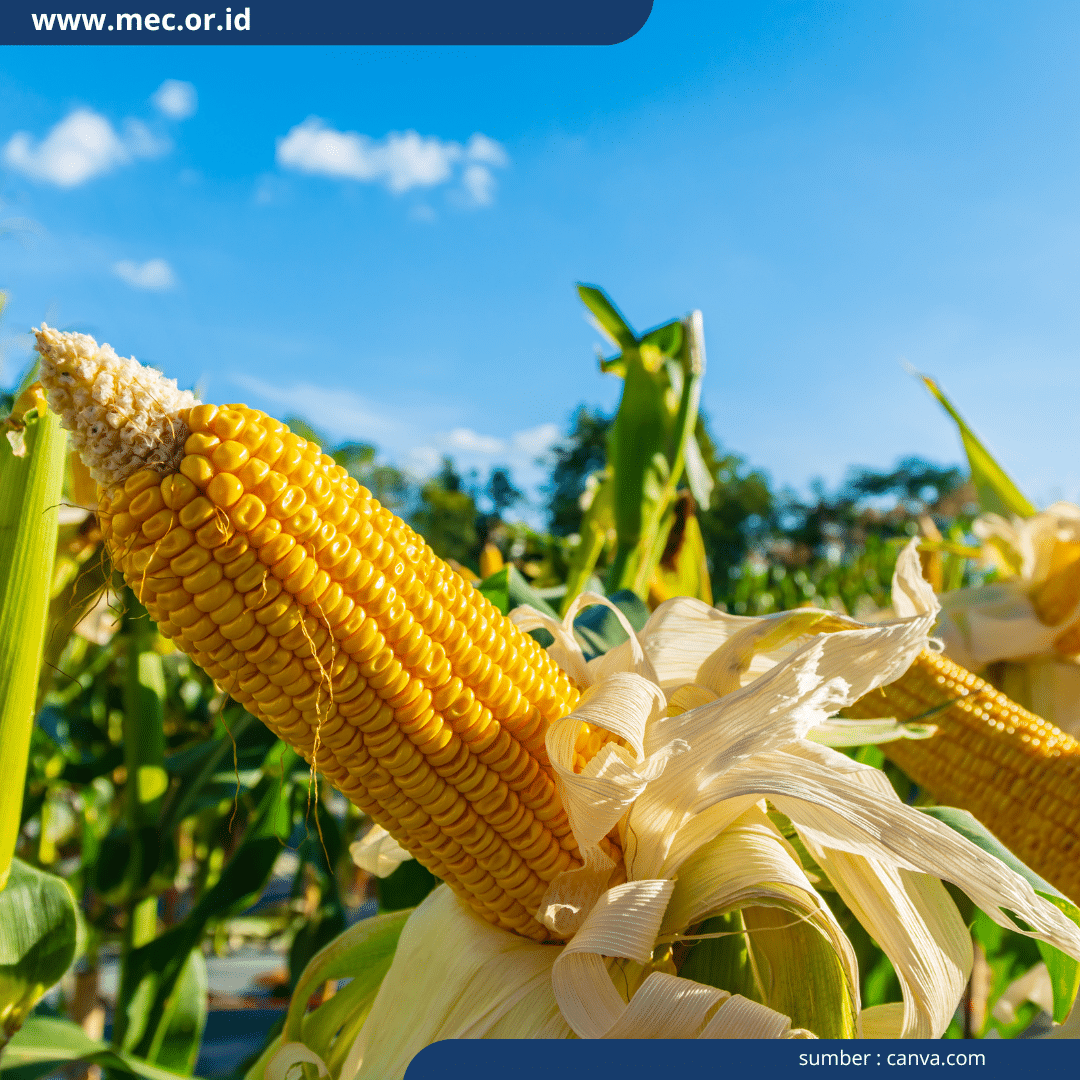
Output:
x=839 y=187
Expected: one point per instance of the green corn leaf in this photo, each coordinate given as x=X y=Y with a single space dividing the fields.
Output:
x=208 y=772
x=997 y=493
x=405 y=887
x=772 y=954
x=598 y=629
x=144 y=756
x=838 y=733
x=31 y=474
x=607 y=315
x=39 y=937
x=496 y=588
x=519 y=592
x=651 y=445
x=154 y=969
x=799 y=970
x=685 y=382
x=598 y=522
x=637 y=442
x=793 y=955
x=45 y=1044
x=698 y=477
x=1064 y=970
x=721 y=956
x=507 y=589
x=185 y=1018
x=362 y=953
x=648 y=444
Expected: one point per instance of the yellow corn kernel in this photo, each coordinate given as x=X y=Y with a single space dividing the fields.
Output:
x=177 y=491
x=198 y=470
x=201 y=442
x=228 y=422
x=225 y=490
x=160 y=524
x=230 y=455
x=331 y=620
x=1017 y=773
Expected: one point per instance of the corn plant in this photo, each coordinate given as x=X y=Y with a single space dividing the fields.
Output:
x=428 y=705
x=38 y=919
x=652 y=448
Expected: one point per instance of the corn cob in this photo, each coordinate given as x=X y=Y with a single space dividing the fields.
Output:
x=1056 y=598
x=1017 y=773
x=332 y=621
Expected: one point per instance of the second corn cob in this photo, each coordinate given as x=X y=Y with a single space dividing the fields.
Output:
x=1017 y=773
x=331 y=620
x=1057 y=597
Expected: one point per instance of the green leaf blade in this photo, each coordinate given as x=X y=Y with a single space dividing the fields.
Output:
x=46 y=1043
x=607 y=315
x=997 y=492
x=1064 y=970
x=39 y=938
x=30 y=488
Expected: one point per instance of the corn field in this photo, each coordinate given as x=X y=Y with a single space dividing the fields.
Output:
x=265 y=698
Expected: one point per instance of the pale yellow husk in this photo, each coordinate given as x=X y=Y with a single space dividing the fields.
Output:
x=713 y=715
x=1000 y=624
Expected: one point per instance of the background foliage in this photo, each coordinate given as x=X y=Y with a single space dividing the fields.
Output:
x=168 y=809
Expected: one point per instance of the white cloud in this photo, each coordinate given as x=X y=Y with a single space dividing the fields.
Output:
x=477 y=179
x=487 y=151
x=140 y=141
x=81 y=146
x=470 y=442
x=519 y=452
x=400 y=160
x=414 y=436
x=473 y=449
x=535 y=441
x=21 y=227
x=177 y=100
x=479 y=184
x=155 y=275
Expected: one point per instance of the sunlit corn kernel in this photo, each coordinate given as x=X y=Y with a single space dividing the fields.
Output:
x=201 y=443
x=146 y=503
x=227 y=423
x=230 y=455
x=224 y=490
x=206 y=576
x=177 y=491
x=197 y=513
x=160 y=524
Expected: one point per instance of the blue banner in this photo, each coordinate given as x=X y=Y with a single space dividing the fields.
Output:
x=323 y=22
x=987 y=1059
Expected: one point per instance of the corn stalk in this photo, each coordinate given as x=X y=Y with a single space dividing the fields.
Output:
x=652 y=448
x=32 y=449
